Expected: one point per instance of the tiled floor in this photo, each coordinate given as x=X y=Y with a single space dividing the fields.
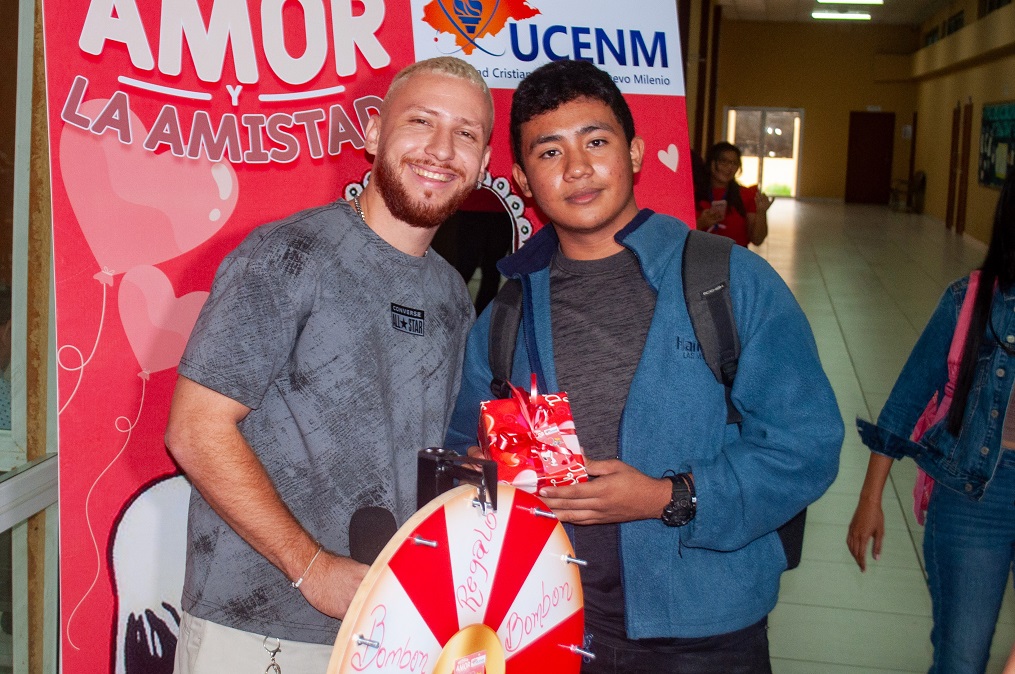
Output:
x=868 y=279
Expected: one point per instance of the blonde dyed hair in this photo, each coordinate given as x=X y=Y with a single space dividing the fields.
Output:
x=443 y=65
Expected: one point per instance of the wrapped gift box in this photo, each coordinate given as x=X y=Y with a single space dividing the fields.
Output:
x=533 y=440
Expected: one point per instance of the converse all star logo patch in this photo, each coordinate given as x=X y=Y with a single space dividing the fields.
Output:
x=406 y=319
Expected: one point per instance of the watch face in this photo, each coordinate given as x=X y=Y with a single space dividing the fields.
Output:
x=678 y=514
x=681 y=508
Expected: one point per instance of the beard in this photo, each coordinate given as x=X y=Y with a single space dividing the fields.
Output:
x=423 y=213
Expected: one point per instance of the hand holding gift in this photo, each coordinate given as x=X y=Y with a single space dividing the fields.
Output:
x=533 y=440
x=617 y=493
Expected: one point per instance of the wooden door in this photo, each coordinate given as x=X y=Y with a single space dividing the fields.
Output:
x=953 y=168
x=869 y=157
x=963 y=172
x=911 y=192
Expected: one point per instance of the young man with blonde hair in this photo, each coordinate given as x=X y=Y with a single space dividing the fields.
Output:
x=328 y=352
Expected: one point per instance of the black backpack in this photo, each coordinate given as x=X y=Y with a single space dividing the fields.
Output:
x=706 y=281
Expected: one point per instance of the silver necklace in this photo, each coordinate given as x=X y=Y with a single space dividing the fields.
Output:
x=359 y=212
x=359 y=209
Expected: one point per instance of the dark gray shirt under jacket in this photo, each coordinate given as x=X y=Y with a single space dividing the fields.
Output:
x=600 y=311
x=349 y=354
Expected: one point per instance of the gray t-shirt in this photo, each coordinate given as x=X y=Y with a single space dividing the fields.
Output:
x=600 y=311
x=349 y=354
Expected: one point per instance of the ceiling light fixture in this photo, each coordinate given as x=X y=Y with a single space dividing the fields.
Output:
x=851 y=2
x=841 y=16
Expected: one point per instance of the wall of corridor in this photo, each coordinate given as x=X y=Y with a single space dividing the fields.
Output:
x=830 y=70
x=978 y=63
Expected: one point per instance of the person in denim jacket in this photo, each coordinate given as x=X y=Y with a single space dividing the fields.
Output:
x=969 y=540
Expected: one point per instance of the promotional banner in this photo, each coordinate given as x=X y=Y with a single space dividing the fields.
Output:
x=178 y=126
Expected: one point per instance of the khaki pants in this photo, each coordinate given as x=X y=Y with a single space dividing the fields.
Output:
x=209 y=648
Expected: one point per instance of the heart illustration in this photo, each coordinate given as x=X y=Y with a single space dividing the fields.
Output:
x=136 y=207
x=157 y=322
x=670 y=157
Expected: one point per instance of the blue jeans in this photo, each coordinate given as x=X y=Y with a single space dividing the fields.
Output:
x=969 y=547
x=742 y=652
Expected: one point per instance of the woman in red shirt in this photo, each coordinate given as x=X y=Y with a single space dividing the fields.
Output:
x=737 y=212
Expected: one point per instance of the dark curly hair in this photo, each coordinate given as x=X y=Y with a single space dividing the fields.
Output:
x=559 y=82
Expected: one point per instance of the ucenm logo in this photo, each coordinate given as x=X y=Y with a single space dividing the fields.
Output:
x=507 y=39
x=471 y=20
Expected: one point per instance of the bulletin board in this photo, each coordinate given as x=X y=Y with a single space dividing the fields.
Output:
x=997 y=143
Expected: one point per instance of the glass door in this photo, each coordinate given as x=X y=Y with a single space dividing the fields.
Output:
x=769 y=139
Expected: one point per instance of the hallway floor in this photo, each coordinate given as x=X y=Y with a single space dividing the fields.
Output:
x=868 y=280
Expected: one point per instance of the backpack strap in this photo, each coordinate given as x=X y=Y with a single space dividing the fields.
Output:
x=706 y=275
x=962 y=330
x=706 y=271
x=505 y=317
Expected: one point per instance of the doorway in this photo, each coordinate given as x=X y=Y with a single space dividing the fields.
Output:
x=474 y=239
x=869 y=157
x=769 y=140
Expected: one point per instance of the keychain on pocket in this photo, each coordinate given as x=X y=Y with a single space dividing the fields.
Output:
x=273 y=667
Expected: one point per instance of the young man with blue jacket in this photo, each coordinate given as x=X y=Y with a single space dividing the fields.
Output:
x=678 y=522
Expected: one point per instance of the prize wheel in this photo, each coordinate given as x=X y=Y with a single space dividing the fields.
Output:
x=465 y=590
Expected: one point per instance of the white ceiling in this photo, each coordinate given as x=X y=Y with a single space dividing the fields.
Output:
x=906 y=12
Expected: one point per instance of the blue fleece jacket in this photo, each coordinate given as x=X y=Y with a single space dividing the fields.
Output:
x=721 y=572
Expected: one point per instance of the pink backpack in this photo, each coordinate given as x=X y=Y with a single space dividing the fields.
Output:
x=937 y=410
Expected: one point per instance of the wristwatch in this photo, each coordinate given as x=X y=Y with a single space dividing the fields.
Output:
x=684 y=504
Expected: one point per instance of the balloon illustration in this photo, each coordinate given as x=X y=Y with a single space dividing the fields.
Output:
x=137 y=207
x=157 y=322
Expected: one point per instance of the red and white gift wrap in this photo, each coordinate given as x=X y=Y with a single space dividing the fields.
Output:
x=533 y=440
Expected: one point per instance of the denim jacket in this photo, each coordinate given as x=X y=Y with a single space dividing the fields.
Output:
x=720 y=572
x=967 y=462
